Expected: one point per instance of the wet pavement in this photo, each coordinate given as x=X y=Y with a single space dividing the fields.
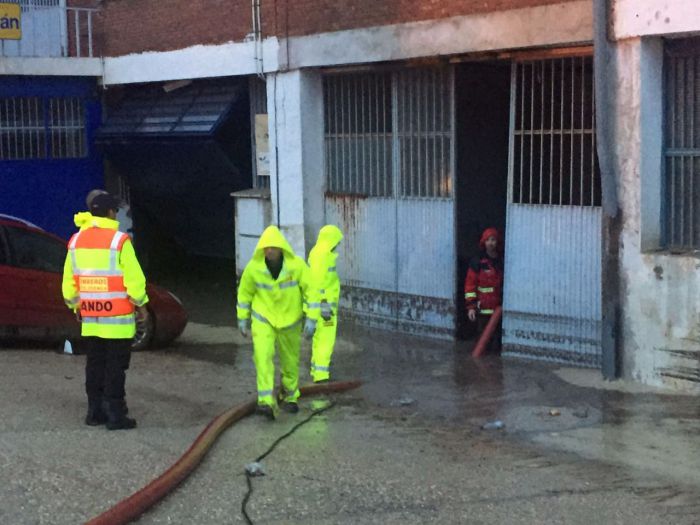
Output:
x=407 y=447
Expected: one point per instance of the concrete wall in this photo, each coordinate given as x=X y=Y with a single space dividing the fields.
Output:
x=634 y=18
x=660 y=296
x=135 y=26
x=295 y=109
x=555 y=24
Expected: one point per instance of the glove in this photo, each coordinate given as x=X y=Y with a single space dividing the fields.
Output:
x=244 y=327
x=326 y=310
x=309 y=328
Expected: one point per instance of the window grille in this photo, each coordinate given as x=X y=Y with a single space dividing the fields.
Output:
x=27 y=122
x=682 y=144
x=22 y=128
x=67 y=128
x=358 y=131
x=425 y=132
x=554 y=149
x=384 y=128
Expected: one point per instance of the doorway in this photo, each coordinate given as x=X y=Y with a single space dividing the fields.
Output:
x=482 y=115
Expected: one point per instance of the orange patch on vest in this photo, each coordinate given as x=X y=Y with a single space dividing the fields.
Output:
x=96 y=306
x=93 y=284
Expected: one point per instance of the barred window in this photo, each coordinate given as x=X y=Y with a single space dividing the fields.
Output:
x=554 y=150
x=358 y=126
x=384 y=129
x=27 y=123
x=22 y=128
x=682 y=144
x=67 y=127
x=425 y=132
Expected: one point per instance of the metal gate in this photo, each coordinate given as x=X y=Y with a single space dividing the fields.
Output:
x=552 y=301
x=389 y=164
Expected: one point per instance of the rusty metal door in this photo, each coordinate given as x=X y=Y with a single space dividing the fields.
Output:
x=389 y=171
x=552 y=296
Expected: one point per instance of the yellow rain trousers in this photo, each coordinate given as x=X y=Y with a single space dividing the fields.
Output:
x=322 y=261
x=114 y=327
x=276 y=309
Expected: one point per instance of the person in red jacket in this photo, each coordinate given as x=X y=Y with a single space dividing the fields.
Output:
x=483 y=287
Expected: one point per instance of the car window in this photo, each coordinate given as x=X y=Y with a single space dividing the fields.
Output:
x=36 y=251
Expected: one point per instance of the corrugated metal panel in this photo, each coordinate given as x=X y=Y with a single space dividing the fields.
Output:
x=389 y=167
x=426 y=246
x=195 y=110
x=552 y=307
x=368 y=255
x=426 y=262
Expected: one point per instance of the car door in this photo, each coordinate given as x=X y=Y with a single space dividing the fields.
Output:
x=37 y=260
x=9 y=315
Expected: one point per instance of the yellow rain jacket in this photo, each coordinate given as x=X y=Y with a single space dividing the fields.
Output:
x=322 y=260
x=114 y=327
x=279 y=302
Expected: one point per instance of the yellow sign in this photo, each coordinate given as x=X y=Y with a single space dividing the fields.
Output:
x=10 y=21
x=94 y=284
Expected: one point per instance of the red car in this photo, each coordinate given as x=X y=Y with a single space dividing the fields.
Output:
x=31 y=302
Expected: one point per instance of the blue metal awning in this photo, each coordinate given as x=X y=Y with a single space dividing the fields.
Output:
x=196 y=110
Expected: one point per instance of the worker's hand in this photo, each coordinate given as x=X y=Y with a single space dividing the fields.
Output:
x=472 y=315
x=244 y=327
x=326 y=310
x=141 y=313
x=78 y=316
x=309 y=328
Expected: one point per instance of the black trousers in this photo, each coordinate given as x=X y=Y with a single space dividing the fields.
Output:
x=494 y=345
x=106 y=366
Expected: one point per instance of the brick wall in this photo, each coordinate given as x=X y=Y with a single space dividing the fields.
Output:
x=316 y=16
x=132 y=26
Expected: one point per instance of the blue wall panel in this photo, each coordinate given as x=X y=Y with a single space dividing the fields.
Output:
x=48 y=192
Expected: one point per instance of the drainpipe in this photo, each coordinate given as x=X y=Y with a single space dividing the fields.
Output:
x=257 y=39
x=605 y=63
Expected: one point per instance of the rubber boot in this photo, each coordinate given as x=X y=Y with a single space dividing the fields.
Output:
x=290 y=406
x=95 y=415
x=116 y=416
x=266 y=411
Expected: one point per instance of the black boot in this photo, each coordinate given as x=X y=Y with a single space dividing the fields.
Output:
x=266 y=411
x=116 y=416
x=290 y=406
x=95 y=415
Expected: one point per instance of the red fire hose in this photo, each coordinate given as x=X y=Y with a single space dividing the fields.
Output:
x=487 y=334
x=139 y=502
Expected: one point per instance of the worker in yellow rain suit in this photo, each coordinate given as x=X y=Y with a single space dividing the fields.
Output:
x=103 y=283
x=322 y=262
x=273 y=288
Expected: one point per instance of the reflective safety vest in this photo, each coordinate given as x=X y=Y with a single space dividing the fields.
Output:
x=101 y=289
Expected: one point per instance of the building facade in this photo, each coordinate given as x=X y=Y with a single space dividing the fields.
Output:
x=571 y=125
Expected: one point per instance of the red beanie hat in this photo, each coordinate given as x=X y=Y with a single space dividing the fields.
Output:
x=490 y=232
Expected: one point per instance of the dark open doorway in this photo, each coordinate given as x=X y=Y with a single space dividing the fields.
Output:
x=482 y=105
